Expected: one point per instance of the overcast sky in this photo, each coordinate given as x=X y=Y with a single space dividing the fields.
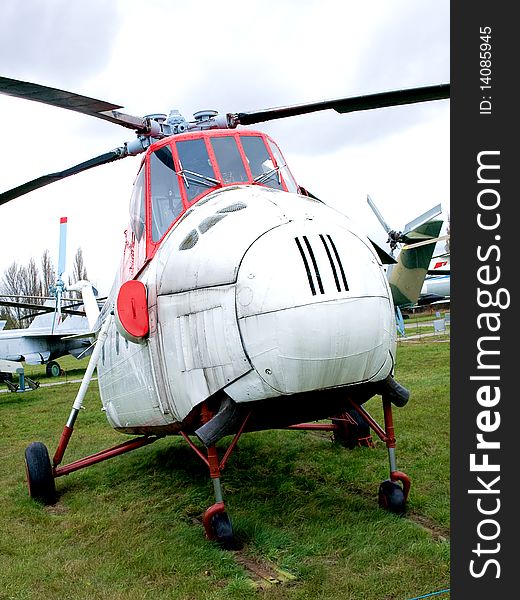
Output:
x=230 y=56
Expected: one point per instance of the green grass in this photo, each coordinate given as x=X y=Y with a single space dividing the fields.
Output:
x=130 y=527
x=72 y=369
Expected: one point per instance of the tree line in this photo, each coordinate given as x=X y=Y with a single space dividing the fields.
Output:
x=32 y=283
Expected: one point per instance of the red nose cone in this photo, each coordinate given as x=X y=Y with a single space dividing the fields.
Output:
x=132 y=308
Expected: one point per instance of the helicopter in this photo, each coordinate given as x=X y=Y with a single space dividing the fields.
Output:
x=242 y=301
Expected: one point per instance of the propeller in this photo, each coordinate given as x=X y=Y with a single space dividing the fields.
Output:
x=409 y=235
x=154 y=127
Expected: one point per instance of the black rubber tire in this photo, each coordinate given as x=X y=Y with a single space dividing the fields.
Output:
x=348 y=434
x=391 y=497
x=223 y=530
x=53 y=369
x=39 y=474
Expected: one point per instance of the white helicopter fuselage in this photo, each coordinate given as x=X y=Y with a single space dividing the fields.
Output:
x=255 y=292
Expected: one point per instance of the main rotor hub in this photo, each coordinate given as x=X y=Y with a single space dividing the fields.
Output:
x=205 y=115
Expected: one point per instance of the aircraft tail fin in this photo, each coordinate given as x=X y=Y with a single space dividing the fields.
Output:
x=407 y=276
x=44 y=321
x=89 y=301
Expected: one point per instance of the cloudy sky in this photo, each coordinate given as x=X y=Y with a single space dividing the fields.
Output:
x=232 y=56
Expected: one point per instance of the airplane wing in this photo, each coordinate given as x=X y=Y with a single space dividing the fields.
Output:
x=39 y=346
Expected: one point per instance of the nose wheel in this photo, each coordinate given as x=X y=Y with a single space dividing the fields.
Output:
x=391 y=497
x=218 y=526
x=216 y=521
x=393 y=492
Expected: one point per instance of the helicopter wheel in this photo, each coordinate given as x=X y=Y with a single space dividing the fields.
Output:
x=391 y=497
x=223 y=531
x=352 y=430
x=218 y=526
x=40 y=479
x=53 y=369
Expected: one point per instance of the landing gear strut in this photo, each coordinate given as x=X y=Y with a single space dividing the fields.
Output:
x=352 y=428
x=217 y=524
x=392 y=496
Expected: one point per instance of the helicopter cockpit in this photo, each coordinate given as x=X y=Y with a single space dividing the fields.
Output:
x=178 y=171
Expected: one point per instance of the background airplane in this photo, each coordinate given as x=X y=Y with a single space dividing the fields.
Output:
x=41 y=343
x=54 y=330
x=436 y=286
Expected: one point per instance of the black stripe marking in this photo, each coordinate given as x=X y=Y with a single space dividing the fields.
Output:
x=339 y=262
x=314 y=264
x=332 y=265
x=304 y=258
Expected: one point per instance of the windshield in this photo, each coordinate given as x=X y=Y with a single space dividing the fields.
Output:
x=196 y=168
x=166 y=196
x=229 y=159
x=260 y=162
x=284 y=170
x=137 y=206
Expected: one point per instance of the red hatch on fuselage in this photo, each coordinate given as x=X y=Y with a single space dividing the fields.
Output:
x=180 y=170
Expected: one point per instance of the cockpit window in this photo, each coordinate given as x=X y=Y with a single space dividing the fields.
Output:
x=260 y=162
x=228 y=159
x=165 y=193
x=137 y=206
x=286 y=174
x=196 y=169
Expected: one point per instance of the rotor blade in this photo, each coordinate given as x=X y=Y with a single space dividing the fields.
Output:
x=30 y=186
x=379 y=216
x=72 y=300
x=39 y=307
x=62 y=246
x=429 y=214
x=426 y=242
x=345 y=105
x=45 y=312
x=70 y=101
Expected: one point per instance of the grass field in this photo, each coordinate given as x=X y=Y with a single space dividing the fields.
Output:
x=304 y=509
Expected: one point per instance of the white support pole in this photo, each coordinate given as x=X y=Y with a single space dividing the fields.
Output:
x=92 y=363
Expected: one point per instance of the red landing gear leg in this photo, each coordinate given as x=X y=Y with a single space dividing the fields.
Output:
x=392 y=495
x=217 y=523
x=395 y=475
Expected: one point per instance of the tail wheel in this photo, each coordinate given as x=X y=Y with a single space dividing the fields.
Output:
x=391 y=497
x=40 y=479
